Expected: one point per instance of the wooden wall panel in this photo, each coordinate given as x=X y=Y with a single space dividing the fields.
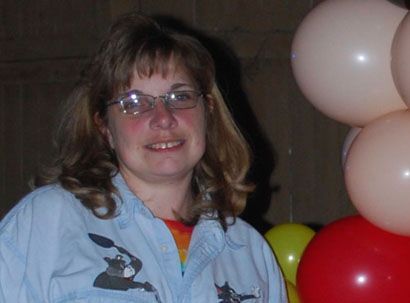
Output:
x=13 y=181
x=2 y=150
x=318 y=192
x=42 y=102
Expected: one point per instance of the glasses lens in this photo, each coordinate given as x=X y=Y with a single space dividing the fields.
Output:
x=136 y=104
x=183 y=99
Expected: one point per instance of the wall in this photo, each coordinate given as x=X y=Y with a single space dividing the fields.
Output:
x=45 y=43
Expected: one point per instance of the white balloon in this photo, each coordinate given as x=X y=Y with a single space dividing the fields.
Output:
x=377 y=172
x=401 y=59
x=341 y=56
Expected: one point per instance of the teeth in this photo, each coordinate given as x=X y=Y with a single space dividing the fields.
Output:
x=164 y=145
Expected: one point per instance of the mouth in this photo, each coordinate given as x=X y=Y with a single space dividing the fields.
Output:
x=160 y=146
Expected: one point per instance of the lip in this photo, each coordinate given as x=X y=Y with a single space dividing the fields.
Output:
x=168 y=145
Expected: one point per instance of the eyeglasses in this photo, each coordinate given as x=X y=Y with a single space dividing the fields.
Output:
x=134 y=103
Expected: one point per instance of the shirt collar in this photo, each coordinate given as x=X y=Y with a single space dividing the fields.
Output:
x=128 y=204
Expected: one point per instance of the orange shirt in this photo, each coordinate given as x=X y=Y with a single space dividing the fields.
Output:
x=182 y=236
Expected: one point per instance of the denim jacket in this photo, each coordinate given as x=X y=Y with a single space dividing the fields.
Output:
x=54 y=250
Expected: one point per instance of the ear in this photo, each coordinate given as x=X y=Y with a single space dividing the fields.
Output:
x=102 y=126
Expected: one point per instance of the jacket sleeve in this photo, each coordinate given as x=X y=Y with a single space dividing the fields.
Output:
x=277 y=288
x=14 y=285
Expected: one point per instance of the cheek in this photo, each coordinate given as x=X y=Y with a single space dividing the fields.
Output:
x=199 y=127
x=122 y=133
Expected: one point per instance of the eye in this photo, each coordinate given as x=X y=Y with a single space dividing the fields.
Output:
x=135 y=104
x=131 y=104
x=181 y=96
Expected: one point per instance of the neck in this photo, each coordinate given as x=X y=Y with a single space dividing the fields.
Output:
x=166 y=198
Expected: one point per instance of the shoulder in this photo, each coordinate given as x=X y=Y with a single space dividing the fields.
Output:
x=242 y=232
x=43 y=224
x=38 y=236
x=244 y=239
x=45 y=206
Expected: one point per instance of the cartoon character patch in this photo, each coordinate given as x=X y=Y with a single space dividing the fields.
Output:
x=227 y=294
x=119 y=274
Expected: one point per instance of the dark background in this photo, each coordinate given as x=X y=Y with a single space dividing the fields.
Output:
x=44 y=44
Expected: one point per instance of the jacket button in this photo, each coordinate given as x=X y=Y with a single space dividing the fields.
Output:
x=164 y=248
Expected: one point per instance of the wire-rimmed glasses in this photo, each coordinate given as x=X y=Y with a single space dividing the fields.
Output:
x=134 y=102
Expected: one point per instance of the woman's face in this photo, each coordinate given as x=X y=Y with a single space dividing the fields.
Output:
x=161 y=144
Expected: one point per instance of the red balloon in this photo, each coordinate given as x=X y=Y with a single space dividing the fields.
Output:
x=351 y=260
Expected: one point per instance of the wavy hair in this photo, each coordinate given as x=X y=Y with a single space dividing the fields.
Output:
x=85 y=163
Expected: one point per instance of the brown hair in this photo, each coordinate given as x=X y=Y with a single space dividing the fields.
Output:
x=86 y=164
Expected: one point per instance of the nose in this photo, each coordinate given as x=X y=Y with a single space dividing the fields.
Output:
x=162 y=117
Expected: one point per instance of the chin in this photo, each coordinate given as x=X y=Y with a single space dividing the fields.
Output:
x=173 y=172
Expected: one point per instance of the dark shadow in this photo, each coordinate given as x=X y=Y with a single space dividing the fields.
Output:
x=228 y=72
x=315 y=226
x=402 y=3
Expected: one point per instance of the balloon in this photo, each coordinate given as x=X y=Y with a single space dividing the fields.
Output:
x=351 y=260
x=341 y=59
x=293 y=296
x=288 y=242
x=401 y=59
x=350 y=137
x=377 y=172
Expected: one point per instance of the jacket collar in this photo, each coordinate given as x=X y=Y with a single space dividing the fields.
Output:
x=128 y=204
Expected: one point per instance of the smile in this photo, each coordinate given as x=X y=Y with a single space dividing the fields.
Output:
x=165 y=145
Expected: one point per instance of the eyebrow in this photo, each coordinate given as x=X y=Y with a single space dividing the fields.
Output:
x=179 y=85
x=134 y=91
x=173 y=87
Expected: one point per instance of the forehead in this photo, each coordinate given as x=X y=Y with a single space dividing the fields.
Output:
x=161 y=80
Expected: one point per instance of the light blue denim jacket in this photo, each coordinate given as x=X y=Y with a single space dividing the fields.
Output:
x=54 y=250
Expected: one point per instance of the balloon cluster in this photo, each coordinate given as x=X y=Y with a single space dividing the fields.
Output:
x=351 y=60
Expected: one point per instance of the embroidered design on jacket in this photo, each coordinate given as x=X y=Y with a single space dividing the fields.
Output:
x=227 y=294
x=119 y=274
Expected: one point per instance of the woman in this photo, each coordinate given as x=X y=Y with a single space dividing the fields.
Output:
x=141 y=204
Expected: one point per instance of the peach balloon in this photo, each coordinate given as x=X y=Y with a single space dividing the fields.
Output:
x=350 y=137
x=377 y=172
x=401 y=59
x=341 y=59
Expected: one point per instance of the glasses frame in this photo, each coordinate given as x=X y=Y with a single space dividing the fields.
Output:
x=165 y=98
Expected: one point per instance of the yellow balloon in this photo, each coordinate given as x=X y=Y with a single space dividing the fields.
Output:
x=288 y=242
x=293 y=296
